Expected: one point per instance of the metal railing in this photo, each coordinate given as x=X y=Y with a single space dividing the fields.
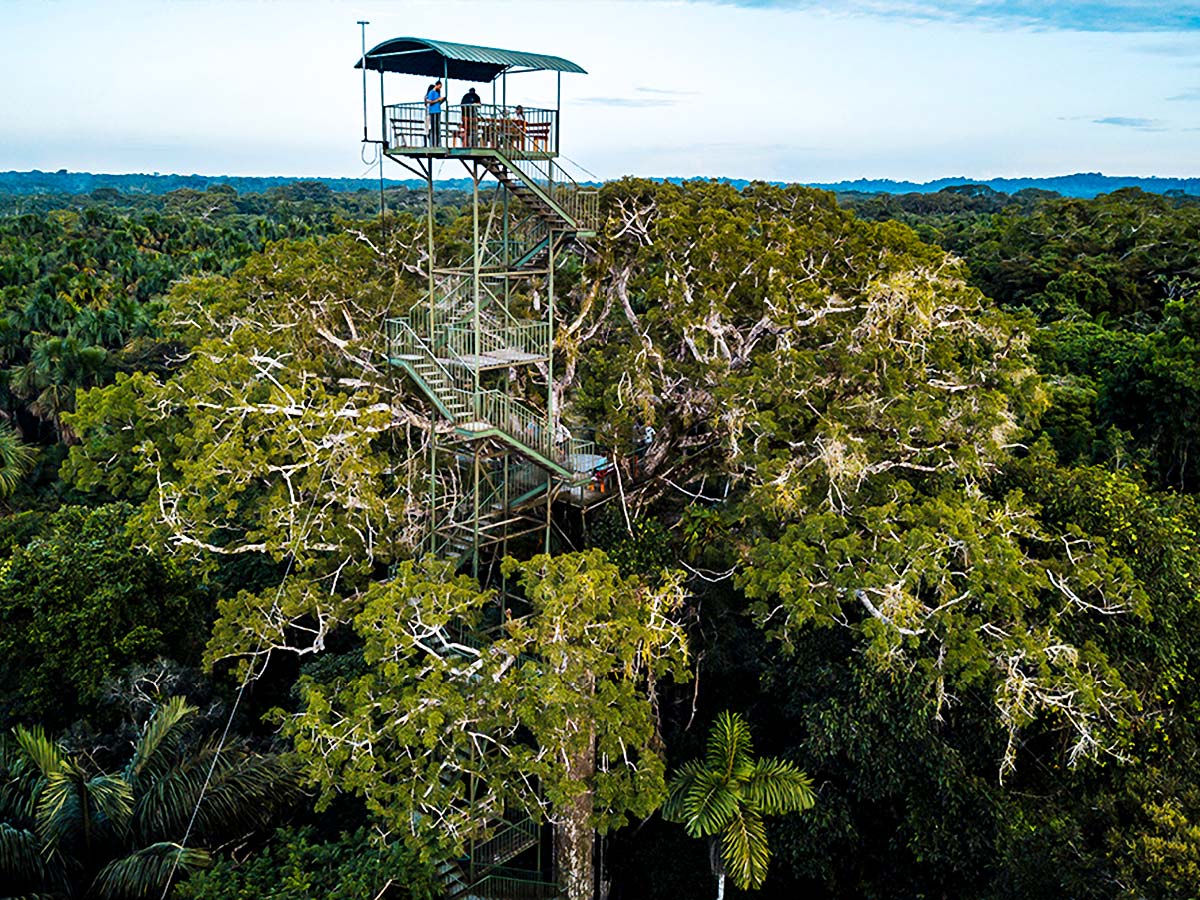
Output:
x=582 y=204
x=453 y=388
x=449 y=328
x=495 y=338
x=518 y=131
x=503 y=886
x=504 y=845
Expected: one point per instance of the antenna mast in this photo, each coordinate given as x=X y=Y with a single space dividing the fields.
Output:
x=363 y=28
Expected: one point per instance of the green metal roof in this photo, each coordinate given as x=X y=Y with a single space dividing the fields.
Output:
x=462 y=62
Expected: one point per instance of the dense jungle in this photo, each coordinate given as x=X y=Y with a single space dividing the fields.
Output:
x=893 y=595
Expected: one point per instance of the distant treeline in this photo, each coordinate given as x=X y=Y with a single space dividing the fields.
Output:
x=1084 y=184
x=1081 y=184
x=64 y=182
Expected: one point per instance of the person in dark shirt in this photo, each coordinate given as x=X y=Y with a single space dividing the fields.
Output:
x=469 y=101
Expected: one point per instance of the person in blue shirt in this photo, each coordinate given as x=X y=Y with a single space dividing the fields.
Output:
x=433 y=105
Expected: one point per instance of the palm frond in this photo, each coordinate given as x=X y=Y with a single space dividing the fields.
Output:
x=709 y=804
x=21 y=861
x=164 y=806
x=16 y=459
x=147 y=872
x=110 y=797
x=19 y=783
x=729 y=744
x=776 y=786
x=75 y=807
x=60 y=806
x=744 y=850
x=159 y=737
x=44 y=752
x=674 y=807
x=245 y=790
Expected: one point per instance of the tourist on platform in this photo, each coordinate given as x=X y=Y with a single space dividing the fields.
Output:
x=433 y=105
x=469 y=101
x=518 y=127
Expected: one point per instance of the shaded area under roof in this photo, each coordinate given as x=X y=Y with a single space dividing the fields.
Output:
x=462 y=62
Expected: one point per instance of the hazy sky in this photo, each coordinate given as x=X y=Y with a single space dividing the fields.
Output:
x=802 y=90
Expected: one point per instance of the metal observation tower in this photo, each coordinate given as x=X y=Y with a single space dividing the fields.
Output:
x=480 y=345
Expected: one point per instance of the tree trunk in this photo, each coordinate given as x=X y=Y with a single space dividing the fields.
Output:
x=575 y=844
x=716 y=863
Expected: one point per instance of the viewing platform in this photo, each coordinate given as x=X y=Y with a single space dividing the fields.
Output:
x=437 y=126
x=518 y=132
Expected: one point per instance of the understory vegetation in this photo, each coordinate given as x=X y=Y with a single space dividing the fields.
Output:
x=897 y=591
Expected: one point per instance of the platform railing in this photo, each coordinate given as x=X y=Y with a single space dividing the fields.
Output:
x=448 y=325
x=530 y=132
x=531 y=338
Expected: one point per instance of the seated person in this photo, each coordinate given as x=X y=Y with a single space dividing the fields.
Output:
x=517 y=128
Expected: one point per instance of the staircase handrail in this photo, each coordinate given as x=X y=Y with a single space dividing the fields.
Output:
x=402 y=336
x=581 y=205
x=505 y=844
x=530 y=337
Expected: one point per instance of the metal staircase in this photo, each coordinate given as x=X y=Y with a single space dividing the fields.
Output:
x=446 y=377
x=548 y=190
x=485 y=871
x=495 y=461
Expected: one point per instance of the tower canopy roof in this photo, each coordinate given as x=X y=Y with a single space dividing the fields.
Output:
x=462 y=62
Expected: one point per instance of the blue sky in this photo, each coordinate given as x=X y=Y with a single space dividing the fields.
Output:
x=781 y=89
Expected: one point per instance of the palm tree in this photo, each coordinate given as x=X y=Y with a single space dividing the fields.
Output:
x=68 y=832
x=725 y=796
x=16 y=459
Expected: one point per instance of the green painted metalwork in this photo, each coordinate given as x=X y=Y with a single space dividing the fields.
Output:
x=497 y=459
x=462 y=62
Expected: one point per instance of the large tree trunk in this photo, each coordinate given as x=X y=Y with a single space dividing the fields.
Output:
x=574 y=844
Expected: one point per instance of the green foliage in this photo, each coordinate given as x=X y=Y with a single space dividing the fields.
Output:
x=16 y=459
x=457 y=730
x=858 y=422
x=297 y=865
x=642 y=548
x=79 y=601
x=67 y=830
x=236 y=451
x=728 y=793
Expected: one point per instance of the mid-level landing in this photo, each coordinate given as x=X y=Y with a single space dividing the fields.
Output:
x=498 y=359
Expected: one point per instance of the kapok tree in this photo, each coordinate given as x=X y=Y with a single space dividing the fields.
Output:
x=555 y=718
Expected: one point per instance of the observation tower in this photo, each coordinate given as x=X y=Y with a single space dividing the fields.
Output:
x=480 y=346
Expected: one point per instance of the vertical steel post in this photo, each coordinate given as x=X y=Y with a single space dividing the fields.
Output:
x=478 y=344
x=432 y=428
x=550 y=405
x=383 y=133
x=363 y=62
x=504 y=537
x=557 y=112
x=383 y=138
x=475 y=519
